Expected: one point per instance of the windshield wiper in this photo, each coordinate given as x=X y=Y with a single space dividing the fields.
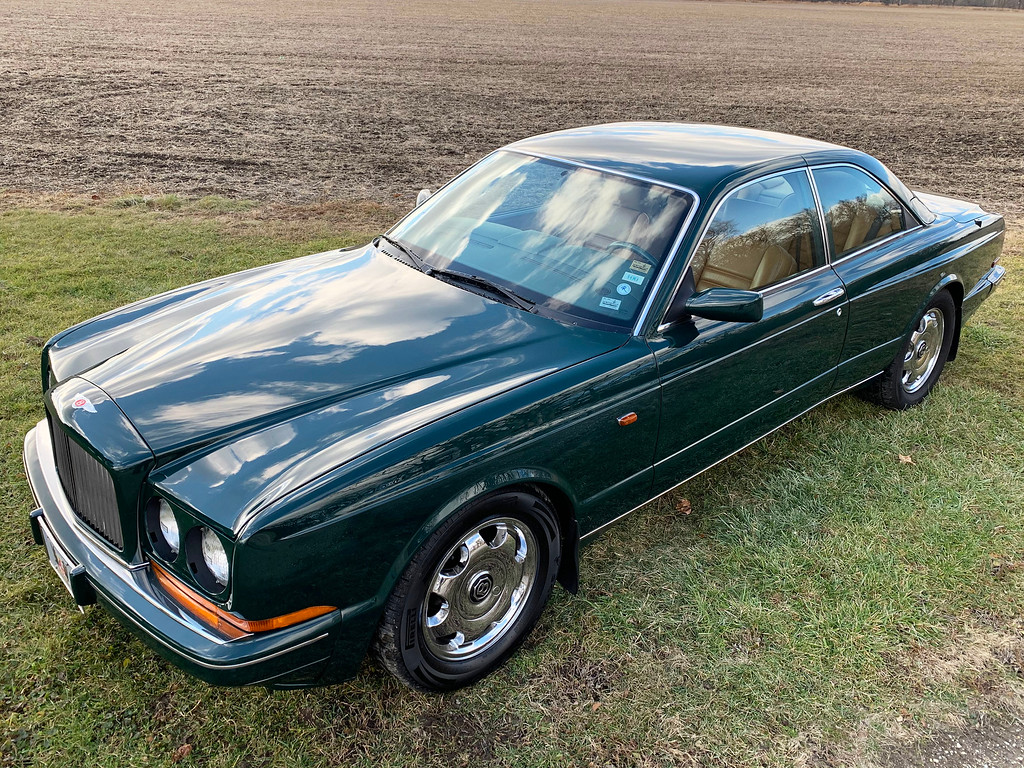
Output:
x=407 y=251
x=510 y=296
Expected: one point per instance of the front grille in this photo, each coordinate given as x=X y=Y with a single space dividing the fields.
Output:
x=88 y=486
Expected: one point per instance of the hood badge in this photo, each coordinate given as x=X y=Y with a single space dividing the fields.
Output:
x=83 y=402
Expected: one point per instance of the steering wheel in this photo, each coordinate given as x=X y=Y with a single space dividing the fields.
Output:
x=634 y=249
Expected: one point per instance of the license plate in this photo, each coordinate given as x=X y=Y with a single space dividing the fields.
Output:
x=61 y=563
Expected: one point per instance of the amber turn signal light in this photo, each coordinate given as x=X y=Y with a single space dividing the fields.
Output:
x=223 y=621
x=625 y=421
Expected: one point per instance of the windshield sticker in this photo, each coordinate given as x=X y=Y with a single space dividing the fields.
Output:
x=640 y=266
x=623 y=289
x=611 y=303
x=629 y=277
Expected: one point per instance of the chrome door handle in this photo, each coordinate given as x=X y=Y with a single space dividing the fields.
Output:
x=825 y=298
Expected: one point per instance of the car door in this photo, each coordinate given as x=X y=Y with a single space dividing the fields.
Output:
x=866 y=225
x=725 y=384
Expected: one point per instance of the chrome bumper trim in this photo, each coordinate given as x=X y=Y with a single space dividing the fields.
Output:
x=134 y=575
x=995 y=275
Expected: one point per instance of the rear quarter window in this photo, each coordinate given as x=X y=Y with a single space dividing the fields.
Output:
x=858 y=209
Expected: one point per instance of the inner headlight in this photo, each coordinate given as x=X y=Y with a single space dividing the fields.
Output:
x=162 y=526
x=215 y=557
x=207 y=558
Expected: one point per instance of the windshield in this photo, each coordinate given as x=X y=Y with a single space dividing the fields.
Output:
x=576 y=242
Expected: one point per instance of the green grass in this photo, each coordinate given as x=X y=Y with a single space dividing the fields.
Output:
x=206 y=204
x=818 y=585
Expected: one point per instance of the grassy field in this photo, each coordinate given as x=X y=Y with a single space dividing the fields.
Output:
x=818 y=599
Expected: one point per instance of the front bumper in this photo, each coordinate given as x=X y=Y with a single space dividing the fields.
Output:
x=282 y=658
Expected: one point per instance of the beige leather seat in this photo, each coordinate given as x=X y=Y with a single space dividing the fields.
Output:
x=853 y=229
x=746 y=262
x=855 y=222
x=623 y=224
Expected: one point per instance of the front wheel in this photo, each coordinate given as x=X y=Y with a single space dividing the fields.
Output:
x=472 y=592
x=919 y=363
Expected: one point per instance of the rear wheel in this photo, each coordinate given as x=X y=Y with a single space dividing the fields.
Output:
x=917 y=366
x=472 y=592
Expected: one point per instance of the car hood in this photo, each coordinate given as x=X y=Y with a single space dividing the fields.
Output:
x=315 y=334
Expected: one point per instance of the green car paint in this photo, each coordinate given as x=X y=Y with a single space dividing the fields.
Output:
x=324 y=416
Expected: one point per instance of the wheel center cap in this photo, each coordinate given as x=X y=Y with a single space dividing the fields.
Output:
x=481 y=587
x=921 y=349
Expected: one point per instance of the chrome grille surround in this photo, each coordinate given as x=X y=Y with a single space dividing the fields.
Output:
x=88 y=486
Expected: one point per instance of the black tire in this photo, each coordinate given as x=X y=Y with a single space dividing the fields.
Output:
x=901 y=386
x=417 y=654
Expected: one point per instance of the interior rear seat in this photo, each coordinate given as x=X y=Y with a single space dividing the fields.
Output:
x=855 y=222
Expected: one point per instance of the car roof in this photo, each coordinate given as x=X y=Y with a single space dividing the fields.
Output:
x=693 y=155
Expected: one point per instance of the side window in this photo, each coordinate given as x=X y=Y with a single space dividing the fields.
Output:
x=763 y=233
x=858 y=210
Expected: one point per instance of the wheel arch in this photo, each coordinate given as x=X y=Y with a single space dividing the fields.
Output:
x=952 y=284
x=956 y=290
x=569 y=568
x=531 y=480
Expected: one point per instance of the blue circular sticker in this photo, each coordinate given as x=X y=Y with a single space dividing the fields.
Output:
x=623 y=289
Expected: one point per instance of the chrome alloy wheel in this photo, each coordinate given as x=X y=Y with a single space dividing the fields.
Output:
x=480 y=589
x=923 y=352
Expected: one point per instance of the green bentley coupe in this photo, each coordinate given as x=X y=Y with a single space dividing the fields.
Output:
x=402 y=446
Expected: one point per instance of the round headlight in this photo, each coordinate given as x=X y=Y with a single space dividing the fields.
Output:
x=215 y=557
x=162 y=528
x=168 y=527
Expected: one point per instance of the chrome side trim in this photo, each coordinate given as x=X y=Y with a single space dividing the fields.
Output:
x=973 y=245
x=744 y=417
x=770 y=289
x=611 y=522
x=987 y=239
x=826 y=243
x=859 y=355
x=875 y=244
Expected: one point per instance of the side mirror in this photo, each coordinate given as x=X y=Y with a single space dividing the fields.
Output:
x=729 y=304
x=422 y=197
